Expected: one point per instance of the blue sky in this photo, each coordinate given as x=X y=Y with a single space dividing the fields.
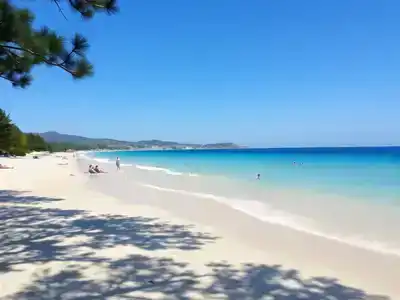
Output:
x=259 y=73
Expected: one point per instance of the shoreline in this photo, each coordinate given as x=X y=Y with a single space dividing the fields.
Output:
x=253 y=148
x=302 y=209
x=99 y=244
x=285 y=175
x=212 y=212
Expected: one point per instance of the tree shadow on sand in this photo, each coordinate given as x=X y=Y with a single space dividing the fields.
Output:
x=33 y=235
x=18 y=197
x=30 y=234
x=143 y=278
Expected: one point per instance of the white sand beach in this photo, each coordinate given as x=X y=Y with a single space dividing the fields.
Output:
x=65 y=234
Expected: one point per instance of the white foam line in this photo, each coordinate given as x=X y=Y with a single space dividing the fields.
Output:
x=140 y=167
x=158 y=169
x=283 y=219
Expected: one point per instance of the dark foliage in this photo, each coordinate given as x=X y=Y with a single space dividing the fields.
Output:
x=35 y=235
x=22 y=46
x=5 y=131
x=35 y=142
x=16 y=142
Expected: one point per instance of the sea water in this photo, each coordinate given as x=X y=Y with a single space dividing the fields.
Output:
x=350 y=195
x=372 y=173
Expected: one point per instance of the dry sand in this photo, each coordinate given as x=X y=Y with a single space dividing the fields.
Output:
x=61 y=239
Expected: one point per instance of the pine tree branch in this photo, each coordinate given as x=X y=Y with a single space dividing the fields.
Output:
x=12 y=54
x=108 y=5
x=45 y=60
x=91 y=2
x=60 y=9
x=23 y=47
x=6 y=78
x=73 y=4
x=69 y=55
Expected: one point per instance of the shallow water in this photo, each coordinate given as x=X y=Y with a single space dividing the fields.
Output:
x=348 y=195
x=372 y=173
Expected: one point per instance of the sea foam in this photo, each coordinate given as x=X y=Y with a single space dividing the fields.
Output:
x=158 y=169
x=266 y=213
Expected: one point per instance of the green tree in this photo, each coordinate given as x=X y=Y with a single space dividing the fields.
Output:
x=22 y=46
x=36 y=143
x=5 y=131
x=19 y=144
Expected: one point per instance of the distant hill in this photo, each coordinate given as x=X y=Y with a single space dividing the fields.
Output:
x=221 y=145
x=59 y=138
x=55 y=137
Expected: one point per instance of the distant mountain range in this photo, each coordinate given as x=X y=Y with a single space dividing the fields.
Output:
x=55 y=137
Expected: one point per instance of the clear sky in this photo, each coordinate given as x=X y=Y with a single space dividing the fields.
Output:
x=259 y=73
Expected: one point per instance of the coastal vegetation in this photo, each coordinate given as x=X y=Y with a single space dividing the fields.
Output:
x=15 y=142
x=22 y=46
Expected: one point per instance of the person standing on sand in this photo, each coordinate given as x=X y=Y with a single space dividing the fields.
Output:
x=117 y=163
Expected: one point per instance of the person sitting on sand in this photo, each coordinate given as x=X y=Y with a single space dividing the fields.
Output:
x=91 y=170
x=98 y=170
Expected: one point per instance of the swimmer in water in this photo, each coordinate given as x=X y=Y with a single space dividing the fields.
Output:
x=258 y=176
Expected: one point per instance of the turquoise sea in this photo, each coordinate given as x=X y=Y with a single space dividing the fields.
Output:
x=349 y=195
x=368 y=173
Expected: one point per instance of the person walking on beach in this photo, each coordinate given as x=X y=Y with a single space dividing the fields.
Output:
x=117 y=163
